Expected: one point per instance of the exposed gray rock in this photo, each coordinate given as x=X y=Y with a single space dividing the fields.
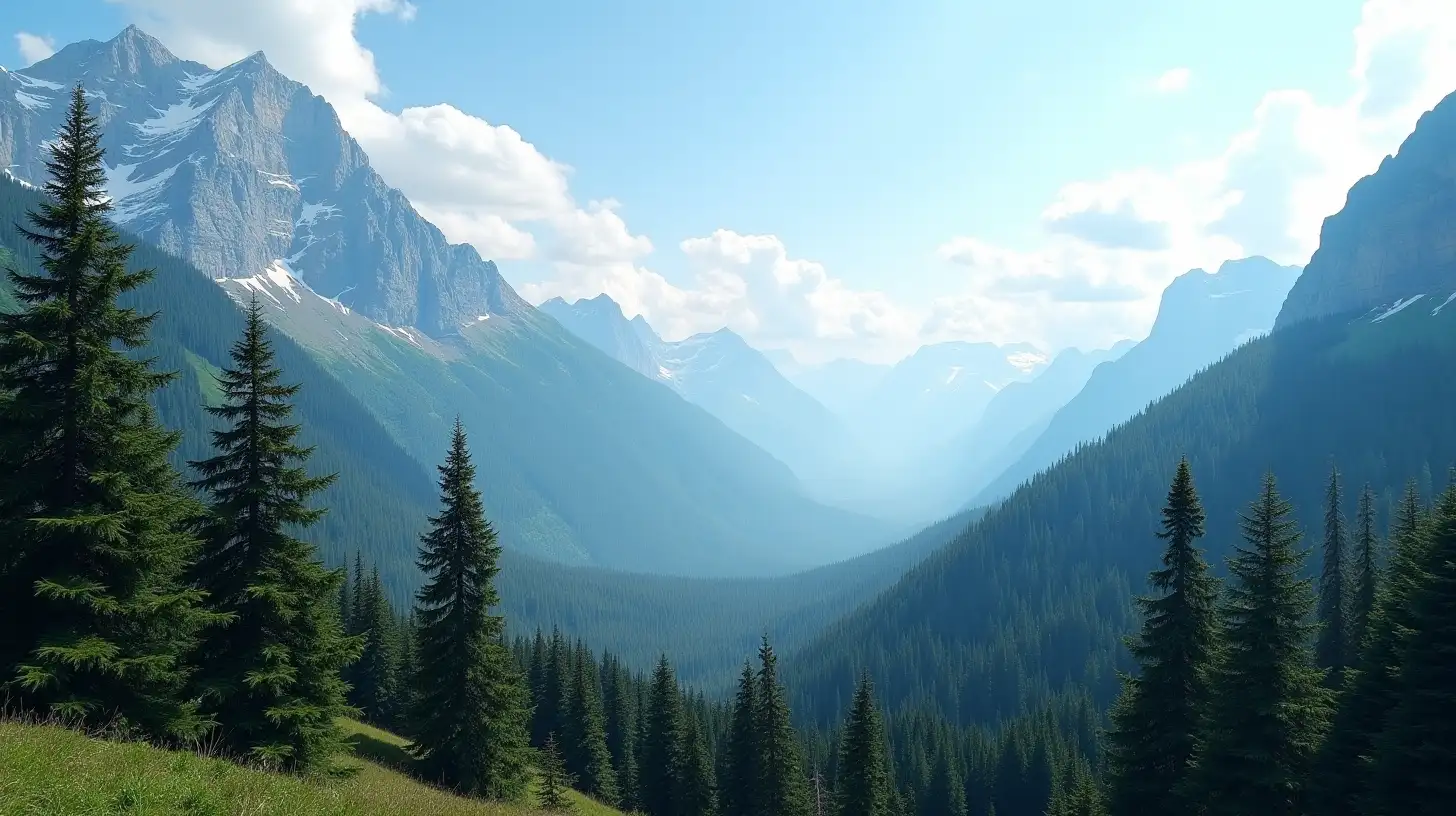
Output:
x=242 y=169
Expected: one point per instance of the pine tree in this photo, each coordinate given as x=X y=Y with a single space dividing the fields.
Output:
x=470 y=721
x=782 y=787
x=1416 y=752
x=1155 y=720
x=588 y=758
x=696 y=794
x=1268 y=708
x=740 y=766
x=271 y=678
x=621 y=729
x=1366 y=579
x=356 y=623
x=95 y=535
x=1343 y=777
x=947 y=793
x=552 y=699
x=555 y=779
x=405 y=672
x=865 y=788
x=1333 y=647
x=375 y=688
x=661 y=744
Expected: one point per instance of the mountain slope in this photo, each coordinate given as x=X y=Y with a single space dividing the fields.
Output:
x=249 y=176
x=1394 y=236
x=720 y=373
x=1201 y=318
x=1039 y=587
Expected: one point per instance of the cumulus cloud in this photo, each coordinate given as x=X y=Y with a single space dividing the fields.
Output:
x=750 y=284
x=1173 y=80
x=480 y=182
x=1112 y=244
x=33 y=47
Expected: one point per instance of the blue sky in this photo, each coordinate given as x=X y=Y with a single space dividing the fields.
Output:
x=843 y=147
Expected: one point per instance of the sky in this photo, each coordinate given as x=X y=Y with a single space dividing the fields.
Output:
x=846 y=178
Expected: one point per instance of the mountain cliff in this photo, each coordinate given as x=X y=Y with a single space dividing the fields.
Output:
x=240 y=170
x=1201 y=318
x=1395 y=238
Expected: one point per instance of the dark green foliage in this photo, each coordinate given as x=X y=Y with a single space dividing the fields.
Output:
x=375 y=677
x=271 y=677
x=587 y=756
x=661 y=746
x=1342 y=781
x=1268 y=709
x=864 y=782
x=1333 y=647
x=1155 y=719
x=1365 y=580
x=1416 y=752
x=555 y=780
x=696 y=793
x=782 y=787
x=470 y=721
x=1078 y=794
x=94 y=536
x=947 y=791
x=618 y=701
x=740 y=765
x=551 y=696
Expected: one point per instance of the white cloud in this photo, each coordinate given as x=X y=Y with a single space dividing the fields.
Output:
x=480 y=182
x=1266 y=193
x=750 y=284
x=33 y=47
x=1173 y=80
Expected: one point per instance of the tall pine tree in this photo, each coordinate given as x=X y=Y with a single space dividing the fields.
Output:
x=1156 y=719
x=1343 y=778
x=588 y=758
x=95 y=535
x=782 y=787
x=470 y=720
x=1415 y=758
x=1268 y=708
x=1365 y=581
x=696 y=791
x=661 y=744
x=740 y=765
x=271 y=678
x=375 y=690
x=865 y=788
x=1333 y=647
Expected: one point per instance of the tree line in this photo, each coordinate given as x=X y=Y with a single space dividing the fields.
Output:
x=1279 y=693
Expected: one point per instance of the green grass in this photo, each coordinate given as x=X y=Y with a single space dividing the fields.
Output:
x=51 y=771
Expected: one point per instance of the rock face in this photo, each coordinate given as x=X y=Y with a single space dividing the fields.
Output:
x=242 y=170
x=1395 y=236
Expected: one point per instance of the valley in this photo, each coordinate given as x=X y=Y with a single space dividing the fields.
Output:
x=303 y=497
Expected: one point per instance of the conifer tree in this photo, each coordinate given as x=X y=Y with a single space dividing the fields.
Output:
x=865 y=788
x=782 y=787
x=356 y=624
x=589 y=761
x=947 y=793
x=1156 y=719
x=1366 y=578
x=271 y=678
x=1342 y=783
x=95 y=535
x=552 y=699
x=1416 y=752
x=1333 y=646
x=661 y=744
x=1268 y=708
x=375 y=689
x=470 y=723
x=740 y=765
x=621 y=731
x=696 y=793
x=555 y=779
x=406 y=669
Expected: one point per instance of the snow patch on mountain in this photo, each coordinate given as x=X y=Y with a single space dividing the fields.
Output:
x=1443 y=305
x=1399 y=306
x=132 y=197
x=31 y=101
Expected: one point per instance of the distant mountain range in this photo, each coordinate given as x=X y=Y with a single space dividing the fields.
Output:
x=249 y=177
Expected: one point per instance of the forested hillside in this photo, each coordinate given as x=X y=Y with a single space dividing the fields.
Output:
x=1033 y=598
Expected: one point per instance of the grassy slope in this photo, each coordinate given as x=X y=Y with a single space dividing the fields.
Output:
x=56 y=772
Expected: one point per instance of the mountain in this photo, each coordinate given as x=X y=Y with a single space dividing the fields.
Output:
x=249 y=177
x=1202 y=317
x=938 y=393
x=1393 y=238
x=722 y=374
x=1033 y=598
x=840 y=385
